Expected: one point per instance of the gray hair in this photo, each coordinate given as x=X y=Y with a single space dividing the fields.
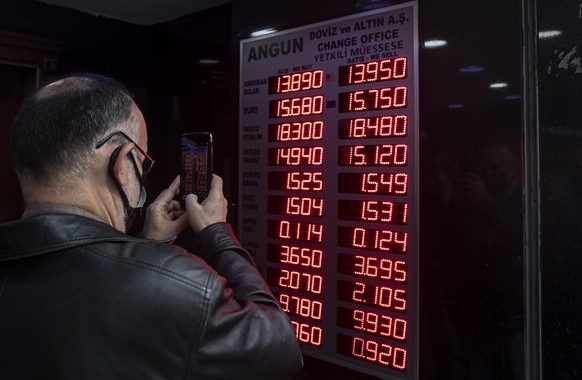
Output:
x=54 y=134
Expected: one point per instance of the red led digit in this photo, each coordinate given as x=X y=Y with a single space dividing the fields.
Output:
x=310 y=309
x=400 y=180
x=284 y=301
x=400 y=68
x=400 y=96
x=399 y=329
x=400 y=125
x=385 y=68
x=296 y=82
x=312 y=130
x=358 y=294
x=316 y=230
x=285 y=229
x=372 y=72
x=317 y=81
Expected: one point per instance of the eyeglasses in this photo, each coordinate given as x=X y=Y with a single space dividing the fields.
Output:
x=147 y=162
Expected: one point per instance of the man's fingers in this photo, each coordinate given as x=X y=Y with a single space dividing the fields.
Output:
x=191 y=201
x=170 y=193
x=215 y=187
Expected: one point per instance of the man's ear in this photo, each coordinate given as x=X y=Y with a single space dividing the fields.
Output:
x=121 y=165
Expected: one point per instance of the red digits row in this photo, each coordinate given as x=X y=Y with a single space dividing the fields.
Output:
x=300 y=81
x=383 y=240
x=385 y=126
x=384 y=269
x=380 y=324
x=385 y=212
x=374 y=155
x=378 y=71
x=306 y=257
x=300 y=231
x=381 y=296
x=307 y=130
x=304 y=206
x=379 y=352
x=377 y=99
x=389 y=183
x=305 y=181
x=307 y=105
x=301 y=281
x=304 y=307
x=308 y=334
x=298 y=156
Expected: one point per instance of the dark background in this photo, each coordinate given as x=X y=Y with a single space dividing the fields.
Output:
x=473 y=139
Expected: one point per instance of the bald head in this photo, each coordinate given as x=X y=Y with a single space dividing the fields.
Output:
x=54 y=134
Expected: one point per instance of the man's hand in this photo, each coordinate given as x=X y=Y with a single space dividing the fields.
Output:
x=165 y=218
x=212 y=210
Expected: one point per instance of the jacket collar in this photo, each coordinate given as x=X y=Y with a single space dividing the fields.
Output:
x=46 y=233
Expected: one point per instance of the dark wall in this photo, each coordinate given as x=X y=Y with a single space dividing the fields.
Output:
x=560 y=85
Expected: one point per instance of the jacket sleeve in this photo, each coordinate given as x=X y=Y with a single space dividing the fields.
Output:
x=247 y=335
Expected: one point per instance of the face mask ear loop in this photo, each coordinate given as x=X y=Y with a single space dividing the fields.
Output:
x=112 y=159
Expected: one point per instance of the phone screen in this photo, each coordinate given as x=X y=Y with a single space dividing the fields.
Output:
x=196 y=164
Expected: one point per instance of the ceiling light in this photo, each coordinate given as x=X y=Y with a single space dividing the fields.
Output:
x=497 y=85
x=263 y=32
x=545 y=34
x=430 y=44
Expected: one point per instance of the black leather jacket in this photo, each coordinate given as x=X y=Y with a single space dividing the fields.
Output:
x=80 y=300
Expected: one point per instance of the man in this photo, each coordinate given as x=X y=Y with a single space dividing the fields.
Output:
x=80 y=299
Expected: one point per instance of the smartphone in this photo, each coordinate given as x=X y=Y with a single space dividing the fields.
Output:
x=196 y=168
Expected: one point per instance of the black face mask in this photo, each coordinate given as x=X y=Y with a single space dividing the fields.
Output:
x=134 y=216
